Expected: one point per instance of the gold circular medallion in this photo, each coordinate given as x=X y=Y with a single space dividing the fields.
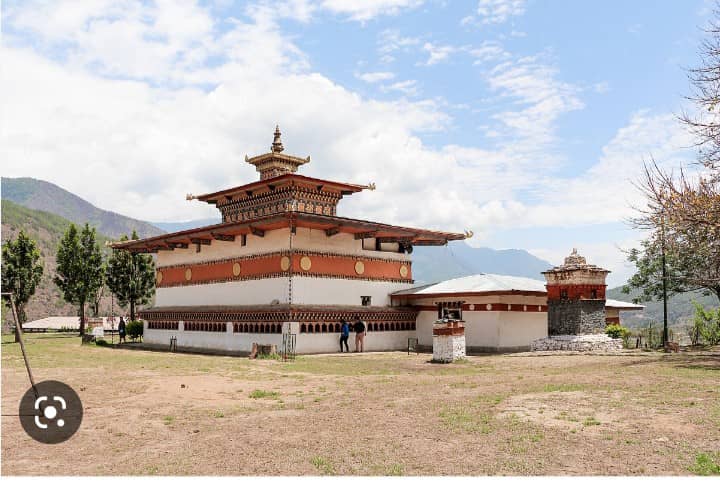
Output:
x=285 y=263
x=159 y=277
x=305 y=263
x=359 y=267
x=403 y=271
x=236 y=269
x=188 y=274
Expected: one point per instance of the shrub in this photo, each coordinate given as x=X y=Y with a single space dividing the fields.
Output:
x=707 y=324
x=134 y=329
x=616 y=331
x=101 y=342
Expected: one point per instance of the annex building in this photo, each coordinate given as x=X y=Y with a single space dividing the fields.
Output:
x=283 y=261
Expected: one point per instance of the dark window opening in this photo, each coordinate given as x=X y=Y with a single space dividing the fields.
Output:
x=365 y=300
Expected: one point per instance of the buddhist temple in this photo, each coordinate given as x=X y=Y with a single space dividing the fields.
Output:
x=282 y=261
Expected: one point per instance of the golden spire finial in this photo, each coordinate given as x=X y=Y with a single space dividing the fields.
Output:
x=277 y=145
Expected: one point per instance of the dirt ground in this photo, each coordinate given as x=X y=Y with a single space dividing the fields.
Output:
x=150 y=413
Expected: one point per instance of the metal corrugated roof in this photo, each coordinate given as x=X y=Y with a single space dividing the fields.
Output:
x=615 y=304
x=478 y=283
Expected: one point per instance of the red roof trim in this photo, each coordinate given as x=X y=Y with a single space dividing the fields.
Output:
x=509 y=292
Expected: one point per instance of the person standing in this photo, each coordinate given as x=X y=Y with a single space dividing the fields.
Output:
x=360 y=331
x=121 y=330
x=344 y=335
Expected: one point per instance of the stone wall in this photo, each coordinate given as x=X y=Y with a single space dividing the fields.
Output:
x=586 y=342
x=583 y=316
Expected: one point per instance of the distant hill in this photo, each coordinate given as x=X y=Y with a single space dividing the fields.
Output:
x=47 y=229
x=48 y=197
x=191 y=224
x=680 y=308
x=457 y=259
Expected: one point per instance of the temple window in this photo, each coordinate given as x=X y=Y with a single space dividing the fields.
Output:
x=593 y=294
x=365 y=300
x=563 y=294
x=450 y=310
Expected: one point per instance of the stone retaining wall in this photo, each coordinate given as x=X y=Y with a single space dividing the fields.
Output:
x=586 y=342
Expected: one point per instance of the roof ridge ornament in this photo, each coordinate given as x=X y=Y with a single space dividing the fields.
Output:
x=277 y=145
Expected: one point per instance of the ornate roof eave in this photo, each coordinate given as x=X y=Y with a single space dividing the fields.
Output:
x=272 y=156
x=330 y=224
x=345 y=188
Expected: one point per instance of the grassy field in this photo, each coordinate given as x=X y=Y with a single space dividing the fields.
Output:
x=373 y=414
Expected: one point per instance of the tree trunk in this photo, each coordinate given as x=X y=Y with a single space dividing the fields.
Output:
x=82 y=318
x=20 y=319
x=132 y=310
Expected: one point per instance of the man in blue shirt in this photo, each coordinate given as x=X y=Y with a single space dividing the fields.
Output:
x=344 y=335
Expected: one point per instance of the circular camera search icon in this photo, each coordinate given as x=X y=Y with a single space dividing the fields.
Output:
x=52 y=414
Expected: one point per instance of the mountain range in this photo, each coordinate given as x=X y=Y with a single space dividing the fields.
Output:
x=45 y=210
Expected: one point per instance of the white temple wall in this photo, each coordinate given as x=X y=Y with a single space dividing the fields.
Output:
x=278 y=240
x=374 y=341
x=253 y=291
x=321 y=290
x=342 y=243
x=273 y=241
x=204 y=340
x=518 y=330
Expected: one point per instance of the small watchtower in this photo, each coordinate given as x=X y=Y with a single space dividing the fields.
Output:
x=576 y=297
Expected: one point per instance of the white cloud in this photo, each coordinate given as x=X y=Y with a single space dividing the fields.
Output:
x=437 y=53
x=373 y=77
x=601 y=87
x=367 y=9
x=390 y=42
x=488 y=51
x=534 y=86
x=499 y=11
x=408 y=88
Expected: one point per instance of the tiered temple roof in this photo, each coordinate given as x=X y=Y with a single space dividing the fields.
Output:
x=281 y=199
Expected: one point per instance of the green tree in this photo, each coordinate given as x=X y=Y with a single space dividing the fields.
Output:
x=131 y=277
x=21 y=272
x=80 y=270
x=707 y=324
x=648 y=278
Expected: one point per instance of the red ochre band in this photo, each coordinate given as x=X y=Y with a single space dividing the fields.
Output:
x=272 y=265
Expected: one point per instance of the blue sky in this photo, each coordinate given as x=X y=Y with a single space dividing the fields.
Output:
x=524 y=121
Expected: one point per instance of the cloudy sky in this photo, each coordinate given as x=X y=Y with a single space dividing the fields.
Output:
x=524 y=121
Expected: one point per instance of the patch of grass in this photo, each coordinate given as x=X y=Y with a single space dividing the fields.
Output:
x=264 y=394
x=273 y=356
x=218 y=414
x=706 y=464
x=463 y=384
x=466 y=419
x=168 y=419
x=324 y=466
x=590 y=421
x=395 y=470
x=563 y=387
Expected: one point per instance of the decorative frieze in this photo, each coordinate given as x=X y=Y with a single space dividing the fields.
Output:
x=278 y=264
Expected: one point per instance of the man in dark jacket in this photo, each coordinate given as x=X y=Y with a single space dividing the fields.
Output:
x=344 y=335
x=360 y=332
